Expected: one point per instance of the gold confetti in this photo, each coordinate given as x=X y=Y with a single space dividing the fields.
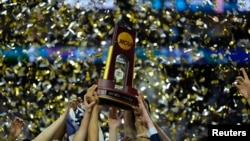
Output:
x=181 y=96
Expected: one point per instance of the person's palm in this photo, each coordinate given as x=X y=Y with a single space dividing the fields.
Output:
x=16 y=127
x=243 y=84
x=114 y=120
x=244 y=89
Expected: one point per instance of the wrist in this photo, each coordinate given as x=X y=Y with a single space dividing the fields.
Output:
x=112 y=128
x=11 y=138
x=151 y=131
x=87 y=114
x=150 y=124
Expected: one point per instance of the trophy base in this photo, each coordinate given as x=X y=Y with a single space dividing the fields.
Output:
x=110 y=96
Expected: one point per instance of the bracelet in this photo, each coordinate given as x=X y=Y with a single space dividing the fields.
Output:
x=152 y=131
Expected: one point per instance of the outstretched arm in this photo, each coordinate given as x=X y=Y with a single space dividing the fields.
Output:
x=129 y=125
x=152 y=132
x=15 y=129
x=114 y=121
x=62 y=129
x=243 y=85
x=82 y=133
x=61 y=132
x=93 y=123
x=141 y=127
x=49 y=133
x=161 y=133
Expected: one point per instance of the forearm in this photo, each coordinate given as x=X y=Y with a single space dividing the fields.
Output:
x=153 y=133
x=11 y=138
x=82 y=132
x=93 y=124
x=60 y=132
x=151 y=127
x=141 y=129
x=113 y=134
x=49 y=132
x=129 y=125
x=161 y=133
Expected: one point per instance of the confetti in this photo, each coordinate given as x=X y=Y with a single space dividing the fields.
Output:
x=51 y=51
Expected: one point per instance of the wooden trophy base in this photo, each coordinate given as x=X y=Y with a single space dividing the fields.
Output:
x=110 y=96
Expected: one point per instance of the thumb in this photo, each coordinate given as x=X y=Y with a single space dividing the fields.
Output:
x=91 y=104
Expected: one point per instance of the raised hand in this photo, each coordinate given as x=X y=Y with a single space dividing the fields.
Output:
x=90 y=98
x=114 y=120
x=92 y=94
x=243 y=84
x=88 y=103
x=15 y=128
x=74 y=103
x=91 y=113
x=143 y=120
x=141 y=111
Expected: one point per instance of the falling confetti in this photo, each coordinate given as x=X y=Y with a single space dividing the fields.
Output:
x=186 y=60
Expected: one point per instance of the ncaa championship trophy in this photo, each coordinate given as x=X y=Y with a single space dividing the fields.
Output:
x=116 y=87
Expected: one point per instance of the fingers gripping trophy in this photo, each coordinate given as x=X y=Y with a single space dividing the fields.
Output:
x=116 y=88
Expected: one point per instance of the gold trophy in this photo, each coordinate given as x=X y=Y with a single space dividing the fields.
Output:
x=116 y=87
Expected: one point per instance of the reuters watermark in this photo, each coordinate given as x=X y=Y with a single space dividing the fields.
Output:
x=225 y=131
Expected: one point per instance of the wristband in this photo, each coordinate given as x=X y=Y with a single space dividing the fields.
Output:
x=151 y=131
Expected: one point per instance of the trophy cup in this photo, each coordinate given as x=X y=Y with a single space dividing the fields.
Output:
x=116 y=87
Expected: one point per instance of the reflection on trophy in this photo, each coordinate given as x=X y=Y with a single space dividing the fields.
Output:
x=116 y=88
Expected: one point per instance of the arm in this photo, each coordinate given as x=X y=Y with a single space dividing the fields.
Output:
x=145 y=118
x=93 y=123
x=113 y=123
x=62 y=129
x=82 y=133
x=243 y=85
x=129 y=124
x=161 y=133
x=141 y=127
x=15 y=129
x=50 y=132
x=60 y=132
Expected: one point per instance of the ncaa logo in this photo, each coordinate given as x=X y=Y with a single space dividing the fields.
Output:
x=125 y=40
